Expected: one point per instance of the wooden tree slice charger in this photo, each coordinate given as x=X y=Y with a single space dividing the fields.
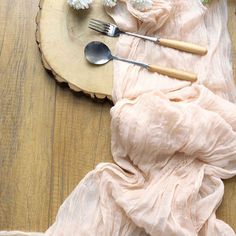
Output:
x=62 y=33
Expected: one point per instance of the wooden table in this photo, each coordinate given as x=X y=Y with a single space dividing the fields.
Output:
x=50 y=137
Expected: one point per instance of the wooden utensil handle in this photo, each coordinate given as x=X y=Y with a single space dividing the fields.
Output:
x=183 y=46
x=178 y=74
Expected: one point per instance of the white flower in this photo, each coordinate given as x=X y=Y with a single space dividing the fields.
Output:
x=79 y=4
x=141 y=5
x=109 y=3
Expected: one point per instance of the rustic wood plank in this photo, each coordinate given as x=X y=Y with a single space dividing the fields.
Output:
x=226 y=211
x=79 y=131
x=50 y=137
x=26 y=121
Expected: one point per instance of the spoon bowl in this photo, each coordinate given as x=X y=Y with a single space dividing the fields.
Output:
x=97 y=53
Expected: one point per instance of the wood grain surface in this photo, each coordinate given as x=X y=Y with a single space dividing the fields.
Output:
x=50 y=137
x=60 y=23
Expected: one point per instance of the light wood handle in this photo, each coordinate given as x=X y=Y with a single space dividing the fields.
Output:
x=178 y=74
x=183 y=46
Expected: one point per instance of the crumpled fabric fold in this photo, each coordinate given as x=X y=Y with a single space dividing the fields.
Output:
x=172 y=141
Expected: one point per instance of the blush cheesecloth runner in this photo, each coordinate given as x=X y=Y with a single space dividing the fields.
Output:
x=172 y=141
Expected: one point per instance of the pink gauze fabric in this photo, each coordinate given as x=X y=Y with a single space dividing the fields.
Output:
x=172 y=141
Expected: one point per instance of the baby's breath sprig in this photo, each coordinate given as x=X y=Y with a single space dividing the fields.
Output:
x=109 y=3
x=79 y=4
x=141 y=5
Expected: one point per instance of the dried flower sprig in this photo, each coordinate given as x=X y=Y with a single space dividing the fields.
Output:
x=79 y=4
x=109 y=3
x=141 y=5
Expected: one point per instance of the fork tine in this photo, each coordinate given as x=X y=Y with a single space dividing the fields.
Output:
x=101 y=27
x=104 y=31
x=100 y=22
x=96 y=26
x=98 y=30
